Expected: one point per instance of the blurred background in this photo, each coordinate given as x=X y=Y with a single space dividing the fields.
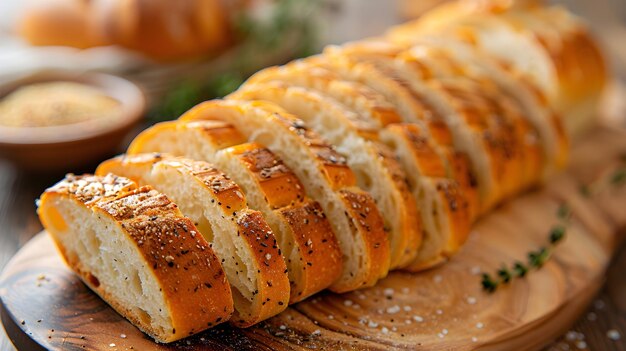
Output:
x=178 y=53
x=78 y=79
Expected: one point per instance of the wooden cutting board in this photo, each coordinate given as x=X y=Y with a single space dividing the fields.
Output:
x=45 y=306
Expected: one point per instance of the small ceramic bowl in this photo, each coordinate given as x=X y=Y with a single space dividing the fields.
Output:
x=64 y=147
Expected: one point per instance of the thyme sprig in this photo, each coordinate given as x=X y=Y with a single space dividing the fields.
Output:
x=536 y=259
x=615 y=179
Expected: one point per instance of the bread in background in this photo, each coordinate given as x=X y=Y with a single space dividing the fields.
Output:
x=160 y=29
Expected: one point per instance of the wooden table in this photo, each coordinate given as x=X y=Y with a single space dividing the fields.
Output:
x=18 y=223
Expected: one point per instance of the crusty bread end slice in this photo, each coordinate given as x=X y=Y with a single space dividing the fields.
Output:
x=134 y=248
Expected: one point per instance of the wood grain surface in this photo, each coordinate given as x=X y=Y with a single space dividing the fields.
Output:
x=441 y=309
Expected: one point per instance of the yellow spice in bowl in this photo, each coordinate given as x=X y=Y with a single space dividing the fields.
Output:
x=56 y=103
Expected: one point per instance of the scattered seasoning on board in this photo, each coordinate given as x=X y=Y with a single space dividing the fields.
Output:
x=536 y=259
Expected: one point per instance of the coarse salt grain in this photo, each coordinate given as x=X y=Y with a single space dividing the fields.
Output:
x=439 y=311
x=111 y=345
x=479 y=325
x=475 y=270
x=444 y=332
x=282 y=327
x=317 y=332
x=268 y=256
x=385 y=330
x=418 y=319
x=405 y=290
x=437 y=278
x=613 y=334
x=471 y=300
x=474 y=339
x=348 y=303
x=372 y=324
x=407 y=308
x=393 y=309
x=581 y=344
x=123 y=336
x=388 y=292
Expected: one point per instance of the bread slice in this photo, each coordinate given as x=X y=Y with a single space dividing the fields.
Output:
x=444 y=207
x=304 y=235
x=327 y=179
x=239 y=236
x=134 y=248
x=413 y=108
x=374 y=165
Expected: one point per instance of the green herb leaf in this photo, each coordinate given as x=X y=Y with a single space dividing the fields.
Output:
x=520 y=269
x=488 y=283
x=504 y=274
x=556 y=234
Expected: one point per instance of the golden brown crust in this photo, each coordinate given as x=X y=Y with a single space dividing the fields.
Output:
x=357 y=96
x=428 y=160
x=316 y=242
x=363 y=214
x=221 y=134
x=277 y=182
x=188 y=272
x=273 y=294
